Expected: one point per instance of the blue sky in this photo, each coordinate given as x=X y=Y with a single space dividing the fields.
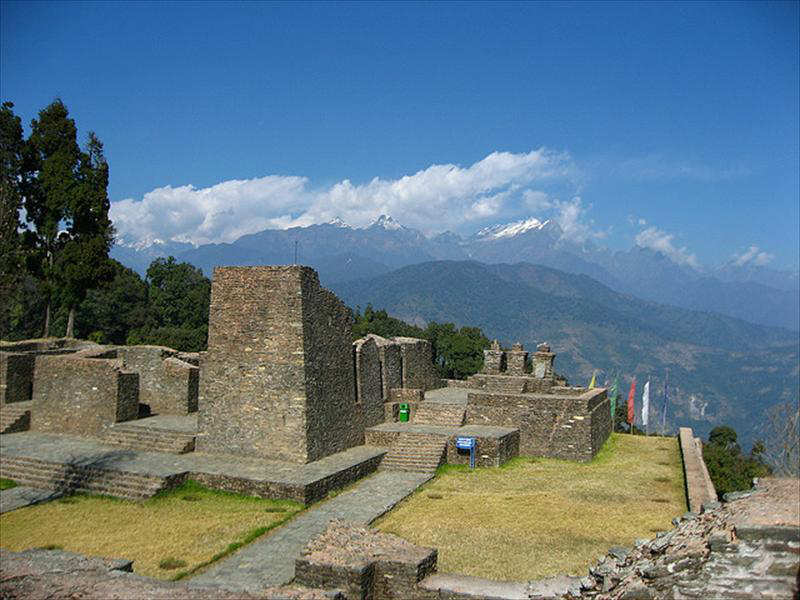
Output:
x=672 y=125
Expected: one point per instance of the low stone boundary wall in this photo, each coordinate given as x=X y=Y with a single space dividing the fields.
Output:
x=699 y=488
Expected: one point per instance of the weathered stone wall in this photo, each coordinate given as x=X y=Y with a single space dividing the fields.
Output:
x=552 y=425
x=83 y=396
x=368 y=381
x=167 y=384
x=418 y=368
x=699 y=488
x=16 y=377
x=391 y=364
x=278 y=379
x=333 y=420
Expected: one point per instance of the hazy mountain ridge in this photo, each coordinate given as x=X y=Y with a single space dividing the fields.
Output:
x=342 y=253
x=721 y=369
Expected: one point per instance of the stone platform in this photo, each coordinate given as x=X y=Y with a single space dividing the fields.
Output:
x=72 y=463
x=495 y=445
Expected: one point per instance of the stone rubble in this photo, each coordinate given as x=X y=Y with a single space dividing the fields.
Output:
x=748 y=547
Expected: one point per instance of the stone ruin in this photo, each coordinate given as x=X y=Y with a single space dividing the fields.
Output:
x=283 y=404
x=69 y=386
x=282 y=381
x=515 y=389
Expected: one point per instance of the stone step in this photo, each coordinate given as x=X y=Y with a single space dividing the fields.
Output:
x=73 y=478
x=50 y=468
x=415 y=452
x=37 y=471
x=77 y=485
x=150 y=439
x=439 y=413
x=15 y=416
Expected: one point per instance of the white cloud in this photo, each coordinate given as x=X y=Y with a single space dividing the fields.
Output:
x=752 y=256
x=572 y=218
x=661 y=241
x=434 y=199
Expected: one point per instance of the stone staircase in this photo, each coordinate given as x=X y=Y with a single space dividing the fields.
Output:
x=415 y=452
x=15 y=416
x=440 y=413
x=70 y=478
x=149 y=439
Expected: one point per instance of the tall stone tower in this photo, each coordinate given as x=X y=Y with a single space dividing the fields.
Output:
x=278 y=379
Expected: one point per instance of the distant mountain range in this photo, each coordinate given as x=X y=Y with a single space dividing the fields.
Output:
x=342 y=253
x=721 y=369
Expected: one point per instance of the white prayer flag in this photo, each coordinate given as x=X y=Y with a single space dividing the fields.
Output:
x=645 y=404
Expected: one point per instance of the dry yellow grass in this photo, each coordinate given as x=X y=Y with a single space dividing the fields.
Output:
x=191 y=525
x=540 y=517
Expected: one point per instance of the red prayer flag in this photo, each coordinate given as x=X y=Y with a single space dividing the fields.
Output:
x=631 y=394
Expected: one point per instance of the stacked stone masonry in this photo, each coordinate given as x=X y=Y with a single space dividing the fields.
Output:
x=278 y=379
x=82 y=396
x=167 y=384
x=699 y=488
x=391 y=364
x=369 y=391
x=417 y=359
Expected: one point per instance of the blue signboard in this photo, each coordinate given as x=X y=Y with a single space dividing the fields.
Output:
x=467 y=443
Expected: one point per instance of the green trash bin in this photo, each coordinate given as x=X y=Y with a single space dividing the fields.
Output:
x=404 y=412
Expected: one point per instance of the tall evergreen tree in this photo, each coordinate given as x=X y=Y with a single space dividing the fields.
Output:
x=12 y=181
x=83 y=263
x=68 y=206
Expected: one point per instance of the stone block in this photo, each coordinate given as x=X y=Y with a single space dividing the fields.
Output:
x=277 y=380
x=418 y=368
x=167 y=384
x=82 y=396
x=365 y=563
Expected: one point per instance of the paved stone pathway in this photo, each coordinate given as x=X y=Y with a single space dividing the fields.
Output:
x=17 y=497
x=270 y=561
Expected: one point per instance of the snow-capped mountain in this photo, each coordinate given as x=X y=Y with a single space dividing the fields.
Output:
x=385 y=222
x=511 y=229
x=341 y=252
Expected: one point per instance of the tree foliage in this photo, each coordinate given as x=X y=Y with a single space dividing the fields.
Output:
x=13 y=178
x=729 y=468
x=178 y=299
x=63 y=192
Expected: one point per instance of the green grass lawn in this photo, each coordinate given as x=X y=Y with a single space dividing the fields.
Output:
x=538 y=517
x=167 y=536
